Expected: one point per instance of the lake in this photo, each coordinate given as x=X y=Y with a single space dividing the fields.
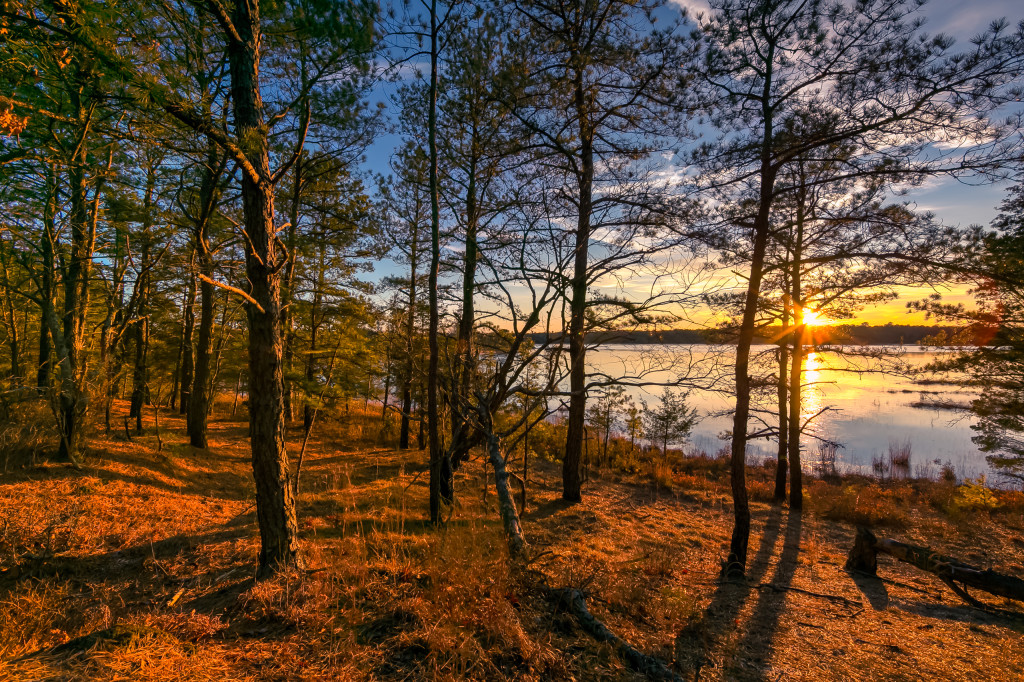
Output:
x=858 y=398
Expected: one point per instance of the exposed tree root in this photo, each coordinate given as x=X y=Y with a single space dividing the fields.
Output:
x=573 y=601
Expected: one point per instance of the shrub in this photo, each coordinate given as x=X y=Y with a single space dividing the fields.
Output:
x=863 y=505
x=973 y=496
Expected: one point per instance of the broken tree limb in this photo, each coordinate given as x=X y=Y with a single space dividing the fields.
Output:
x=506 y=503
x=572 y=600
x=955 y=573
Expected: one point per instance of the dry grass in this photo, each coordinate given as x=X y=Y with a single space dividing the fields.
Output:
x=155 y=552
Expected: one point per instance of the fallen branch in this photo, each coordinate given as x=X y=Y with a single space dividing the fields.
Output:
x=573 y=601
x=821 y=595
x=863 y=558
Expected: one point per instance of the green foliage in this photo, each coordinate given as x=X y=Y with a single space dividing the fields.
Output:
x=973 y=495
x=671 y=422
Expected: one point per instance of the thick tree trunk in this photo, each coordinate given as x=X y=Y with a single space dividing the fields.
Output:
x=275 y=504
x=202 y=385
x=463 y=383
x=571 y=484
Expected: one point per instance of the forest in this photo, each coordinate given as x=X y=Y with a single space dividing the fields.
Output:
x=307 y=310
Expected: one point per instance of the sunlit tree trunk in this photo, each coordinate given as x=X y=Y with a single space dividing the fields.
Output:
x=275 y=505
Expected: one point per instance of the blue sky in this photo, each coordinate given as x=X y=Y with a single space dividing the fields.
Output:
x=953 y=202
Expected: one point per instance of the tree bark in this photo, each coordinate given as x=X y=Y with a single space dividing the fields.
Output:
x=571 y=483
x=506 y=502
x=275 y=504
x=410 y=335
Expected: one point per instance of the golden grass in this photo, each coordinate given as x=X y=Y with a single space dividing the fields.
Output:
x=162 y=547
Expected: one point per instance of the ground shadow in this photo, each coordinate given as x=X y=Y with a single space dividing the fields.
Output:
x=758 y=641
x=872 y=588
x=719 y=618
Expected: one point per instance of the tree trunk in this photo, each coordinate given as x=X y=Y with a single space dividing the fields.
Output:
x=275 y=504
x=140 y=375
x=200 y=397
x=14 y=340
x=410 y=331
x=46 y=280
x=736 y=563
x=199 y=400
x=571 y=484
x=796 y=485
x=782 y=386
x=506 y=502
x=287 y=295
x=737 y=560
x=314 y=328
x=463 y=383
x=188 y=331
x=433 y=418
x=73 y=398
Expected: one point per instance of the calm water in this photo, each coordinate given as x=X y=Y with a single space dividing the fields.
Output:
x=862 y=402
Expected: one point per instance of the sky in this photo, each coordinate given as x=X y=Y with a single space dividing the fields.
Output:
x=951 y=201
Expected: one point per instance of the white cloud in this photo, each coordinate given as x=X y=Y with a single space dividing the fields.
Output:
x=693 y=7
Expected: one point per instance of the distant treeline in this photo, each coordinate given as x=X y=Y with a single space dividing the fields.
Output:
x=863 y=334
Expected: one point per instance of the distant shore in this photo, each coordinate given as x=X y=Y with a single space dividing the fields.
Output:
x=863 y=334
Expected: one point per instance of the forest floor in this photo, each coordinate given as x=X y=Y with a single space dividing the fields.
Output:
x=140 y=566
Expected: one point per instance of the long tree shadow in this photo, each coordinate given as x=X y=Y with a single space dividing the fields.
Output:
x=872 y=588
x=729 y=598
x=758 y=641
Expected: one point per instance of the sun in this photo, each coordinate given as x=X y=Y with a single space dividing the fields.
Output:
x=813 y=318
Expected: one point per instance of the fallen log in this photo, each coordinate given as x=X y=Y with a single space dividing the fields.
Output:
x=572 y=600
x=953 y=572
